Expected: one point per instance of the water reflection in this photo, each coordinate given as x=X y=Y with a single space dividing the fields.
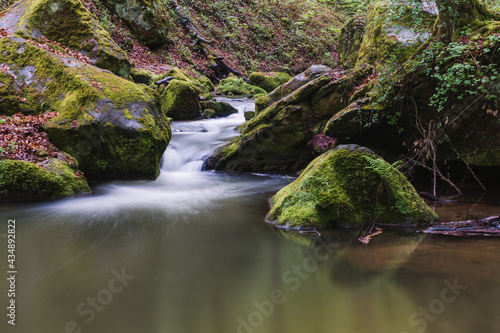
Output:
x=191 y=252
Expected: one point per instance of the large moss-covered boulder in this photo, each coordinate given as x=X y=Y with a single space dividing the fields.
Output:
x=278 y=137
x=181 y=100
x=52 y=179
x=268 y=81
x=311 y=74
x=146 y=19
x=113 y=127
x=345 y=187
x=69 y=23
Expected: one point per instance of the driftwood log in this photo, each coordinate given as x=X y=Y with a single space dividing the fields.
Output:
x=433 y=198
x=489 y=226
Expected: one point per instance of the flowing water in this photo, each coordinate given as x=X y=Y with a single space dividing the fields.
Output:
x=190 y=252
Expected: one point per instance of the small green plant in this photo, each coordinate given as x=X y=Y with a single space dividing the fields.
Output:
x=12 y=145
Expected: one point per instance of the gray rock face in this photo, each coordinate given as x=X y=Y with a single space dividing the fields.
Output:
x=138 y=14
x=69 y=23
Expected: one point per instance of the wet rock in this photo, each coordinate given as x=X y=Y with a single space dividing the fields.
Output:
x=221 y=109
x=113 y=127
x=143 y=19
x=346 y=187
x=23 y=180
x=268 y=81
x=180 y=100
x=277 y=137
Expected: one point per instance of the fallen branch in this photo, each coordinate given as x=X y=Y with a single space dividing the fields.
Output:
x=165 y=81
x=489 y=226
x=433 y=198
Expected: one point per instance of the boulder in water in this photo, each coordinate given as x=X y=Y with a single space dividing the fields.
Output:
x=221 y=109
x=347 y=186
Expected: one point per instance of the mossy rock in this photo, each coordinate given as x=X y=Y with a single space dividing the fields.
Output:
x=249 y=115
x=311 y=74
x=143 y=18
x=71 y=24
x=350 y=40
x=221 y=109
x=237 y=86
x=178 y=74
x=268 y=81
x=181 y=100
x=346 y=187
x=143 y=76
x=276 y=139
x=388 y=39
x=206 y=83
x=208 y=113
x=113 y=127
x=23 y=180
x=203 y=83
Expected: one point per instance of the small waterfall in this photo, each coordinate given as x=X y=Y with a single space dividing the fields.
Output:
x=193 y=141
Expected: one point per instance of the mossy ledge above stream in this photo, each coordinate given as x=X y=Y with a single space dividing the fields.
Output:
x=347 y=186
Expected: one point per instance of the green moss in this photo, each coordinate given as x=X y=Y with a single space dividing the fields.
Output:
x=342 y=188
x=237 y=86
x=380 y=45
x=350 y=40
x=147 y=19
x=180 y=100
x=22 y=180
x=142 y=76
x=208 y=113
x=261 y=103
x=249 y=115
x=128 y=114
x=206 y=83
x=221 y=109
x=71 y=24
x=268 y=81
x=178 y=74
x=100 y=114
x=276 y=138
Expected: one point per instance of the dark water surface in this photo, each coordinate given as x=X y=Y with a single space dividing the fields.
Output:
x=191 y=252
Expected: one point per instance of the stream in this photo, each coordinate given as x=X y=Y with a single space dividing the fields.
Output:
x=191 y=252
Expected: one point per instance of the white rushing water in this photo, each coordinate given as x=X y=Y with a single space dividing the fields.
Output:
x=182 y=189
x=194 y=141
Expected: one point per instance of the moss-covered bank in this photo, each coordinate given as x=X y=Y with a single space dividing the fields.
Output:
x=22 y=180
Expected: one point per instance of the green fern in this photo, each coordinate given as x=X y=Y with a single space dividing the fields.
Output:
x=380 y=166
